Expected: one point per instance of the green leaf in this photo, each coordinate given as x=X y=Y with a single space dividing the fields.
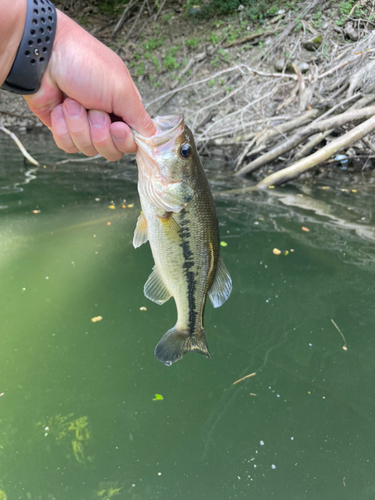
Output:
x=223 y=244
x=158 y=397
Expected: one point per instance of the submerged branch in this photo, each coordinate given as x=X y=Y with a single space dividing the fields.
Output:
x=20 y=146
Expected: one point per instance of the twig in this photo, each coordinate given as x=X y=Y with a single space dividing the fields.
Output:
x=331 y=110
x=345 y=63
x=239 y=67
x=368 y=144
x=98 y=29
x=323 y=154
x=135 y=21
x=191 y=62
x=192 y=84
x=309 y=146
x=249 y=38
x=20 y=146
x=242 y=110
x=301 y=85
x=285 y=127
x=160 y=9
x=344 y=347
x=318 y=138
x=244 y=378
x=78 y=160
x=292 y=142
x=288 y=100
x=122 y=18
x=231 y=94
x=244 y=152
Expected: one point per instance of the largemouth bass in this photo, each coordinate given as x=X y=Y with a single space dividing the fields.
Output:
x=179 y=220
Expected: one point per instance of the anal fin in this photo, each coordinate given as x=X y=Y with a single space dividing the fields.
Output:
x=140 y=232
x=222 y=285
x=155 y=288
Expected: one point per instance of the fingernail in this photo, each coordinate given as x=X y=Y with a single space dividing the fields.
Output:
x=58 y=113
x=73 y=108
x=118 y=135
x=97 y=118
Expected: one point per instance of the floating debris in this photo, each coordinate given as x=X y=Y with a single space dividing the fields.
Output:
x=143 y=308
x=131 y=205
x=305 y=229
x=112 y=207
x=344 y=347
x=276 y=251
x=223 y=244
x=96 y=319
x=36 y=211
x=158 y=397
x=108 y=223
x=244 y=378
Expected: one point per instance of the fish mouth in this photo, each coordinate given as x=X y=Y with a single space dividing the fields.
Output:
x=167 y=128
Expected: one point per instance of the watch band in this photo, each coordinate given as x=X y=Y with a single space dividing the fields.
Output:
x=34 y=50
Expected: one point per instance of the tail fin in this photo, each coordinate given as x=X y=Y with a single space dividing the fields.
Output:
x=175 y=343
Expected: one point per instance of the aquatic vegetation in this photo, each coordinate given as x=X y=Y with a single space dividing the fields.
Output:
x=106 y=494
x=64 y=429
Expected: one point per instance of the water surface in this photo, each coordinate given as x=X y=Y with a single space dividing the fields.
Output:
x=78 y=420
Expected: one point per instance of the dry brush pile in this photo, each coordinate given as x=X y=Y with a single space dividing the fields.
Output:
x=289 y=114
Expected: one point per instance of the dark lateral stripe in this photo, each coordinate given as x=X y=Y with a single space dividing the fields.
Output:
x=189 y=275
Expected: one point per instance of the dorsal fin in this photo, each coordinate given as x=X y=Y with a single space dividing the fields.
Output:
x=222 y=285
x=155 y=288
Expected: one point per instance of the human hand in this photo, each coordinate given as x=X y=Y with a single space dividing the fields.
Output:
x=83 y=74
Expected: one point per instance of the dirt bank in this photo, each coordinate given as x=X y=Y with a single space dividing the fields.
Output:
x=246 y=81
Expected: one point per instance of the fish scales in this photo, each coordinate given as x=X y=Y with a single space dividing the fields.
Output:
x=179 y=220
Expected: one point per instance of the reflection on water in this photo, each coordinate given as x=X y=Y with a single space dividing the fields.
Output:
x=79 y=419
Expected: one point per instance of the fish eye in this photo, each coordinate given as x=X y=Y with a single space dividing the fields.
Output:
x=185 y=151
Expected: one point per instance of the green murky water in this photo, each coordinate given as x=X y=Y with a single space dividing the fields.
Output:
x=78 y=420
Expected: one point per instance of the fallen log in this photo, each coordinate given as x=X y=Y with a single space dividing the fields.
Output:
x=323 y=154
x=313 y=128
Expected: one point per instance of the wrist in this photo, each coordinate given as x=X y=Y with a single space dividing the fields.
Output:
x=12 y=22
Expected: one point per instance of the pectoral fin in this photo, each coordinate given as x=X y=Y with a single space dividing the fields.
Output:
x=140 y=232
x=170 y=228
x=222 y=285
x=155 y=288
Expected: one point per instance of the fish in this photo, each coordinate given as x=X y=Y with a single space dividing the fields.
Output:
x=179 y=220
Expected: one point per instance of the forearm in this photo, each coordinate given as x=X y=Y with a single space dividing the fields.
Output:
x=12 y=22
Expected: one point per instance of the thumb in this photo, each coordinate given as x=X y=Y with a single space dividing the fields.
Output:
x=128 y=104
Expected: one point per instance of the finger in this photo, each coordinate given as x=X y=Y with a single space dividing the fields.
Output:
x=78 y=125
x=127 y=103
x=43 y=102
x=123 y=137
x=101 y=137
x=60 y=131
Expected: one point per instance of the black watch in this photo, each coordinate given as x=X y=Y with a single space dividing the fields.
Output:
x=35 y=48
